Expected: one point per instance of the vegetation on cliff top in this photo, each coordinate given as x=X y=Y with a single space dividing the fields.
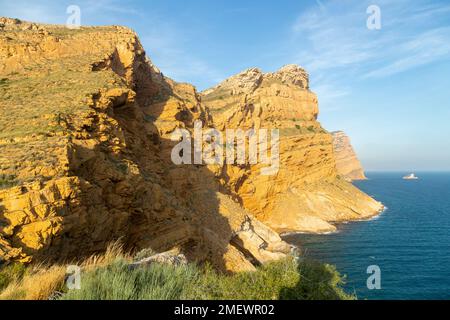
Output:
x=109 y=277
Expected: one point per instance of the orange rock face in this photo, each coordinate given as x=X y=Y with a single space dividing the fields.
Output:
x=306 y=194
x=347 y=163
x=85 y=144
x=85 y=155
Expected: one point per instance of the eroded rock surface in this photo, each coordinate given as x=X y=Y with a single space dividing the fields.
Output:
x=85 y=127
x=347 y=163
x=307 y=193
x=85 y=153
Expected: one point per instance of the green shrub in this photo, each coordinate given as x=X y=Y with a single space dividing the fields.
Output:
x=118 y=282
x=264 y=284
x=7 y=181
x=317 y=282
x=282 y=280
x=286 y=279
x=11 y=273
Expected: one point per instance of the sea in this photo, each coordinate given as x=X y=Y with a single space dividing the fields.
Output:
x=404 y=252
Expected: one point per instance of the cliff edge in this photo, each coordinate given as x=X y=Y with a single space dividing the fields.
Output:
x=347 y=163
x=85 y=155
x=85 y=127
x=307 y=194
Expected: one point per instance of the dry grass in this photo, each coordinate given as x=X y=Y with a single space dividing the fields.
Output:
x=287 y=279
x=114 y=252
x=37 y=285
x=108 y=277
x=40 y=282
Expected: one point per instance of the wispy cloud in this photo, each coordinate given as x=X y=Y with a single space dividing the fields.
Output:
x=52 y=11
x=165 y=41
x=425 y=48
x=35 y=11
x=111 y=6
x=332 y=38
x=329 y=93
x=168 y=46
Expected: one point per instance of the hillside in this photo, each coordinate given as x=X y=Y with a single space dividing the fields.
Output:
x=85 y=126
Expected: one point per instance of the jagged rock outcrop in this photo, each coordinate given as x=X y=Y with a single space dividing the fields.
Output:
x=253 y=99
x=347 y=163
x=306 y=194
x=85 y=156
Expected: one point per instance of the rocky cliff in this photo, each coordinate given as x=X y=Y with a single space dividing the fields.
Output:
x=85 y=127
x=347 y=163
x=307 y=194
x=84 y=155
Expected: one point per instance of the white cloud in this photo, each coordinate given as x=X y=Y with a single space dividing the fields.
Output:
x=111 y=6
x=166 y=44
x=52 y=11
x=425 y=48
x=37 y=12
x=329 y=93
x=332 y=38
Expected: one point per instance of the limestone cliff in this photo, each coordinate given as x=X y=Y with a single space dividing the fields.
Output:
x=307 y=194
x=84 y=155
x=347 y=163
x=85 y=127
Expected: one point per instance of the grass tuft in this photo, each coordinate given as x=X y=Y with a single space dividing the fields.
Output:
x=286 y=280
x=11 y=273
x=37 y=284
x=109 y=277
x=118 y=282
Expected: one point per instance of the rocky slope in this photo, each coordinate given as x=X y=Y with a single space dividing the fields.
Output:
x=84 y=158
x=347 y=163
x=307 y=194
x=85 y=127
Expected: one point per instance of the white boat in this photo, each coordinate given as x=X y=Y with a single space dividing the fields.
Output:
x=412 y=176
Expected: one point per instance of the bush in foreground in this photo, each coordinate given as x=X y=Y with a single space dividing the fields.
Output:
x=286 y=279
x=110 y=277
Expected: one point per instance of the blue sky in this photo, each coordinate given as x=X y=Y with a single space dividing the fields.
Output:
x=389 y=89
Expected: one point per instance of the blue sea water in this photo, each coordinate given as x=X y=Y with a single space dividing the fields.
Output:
x=410 y=241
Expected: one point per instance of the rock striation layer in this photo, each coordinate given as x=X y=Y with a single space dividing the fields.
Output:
x=347 y=163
